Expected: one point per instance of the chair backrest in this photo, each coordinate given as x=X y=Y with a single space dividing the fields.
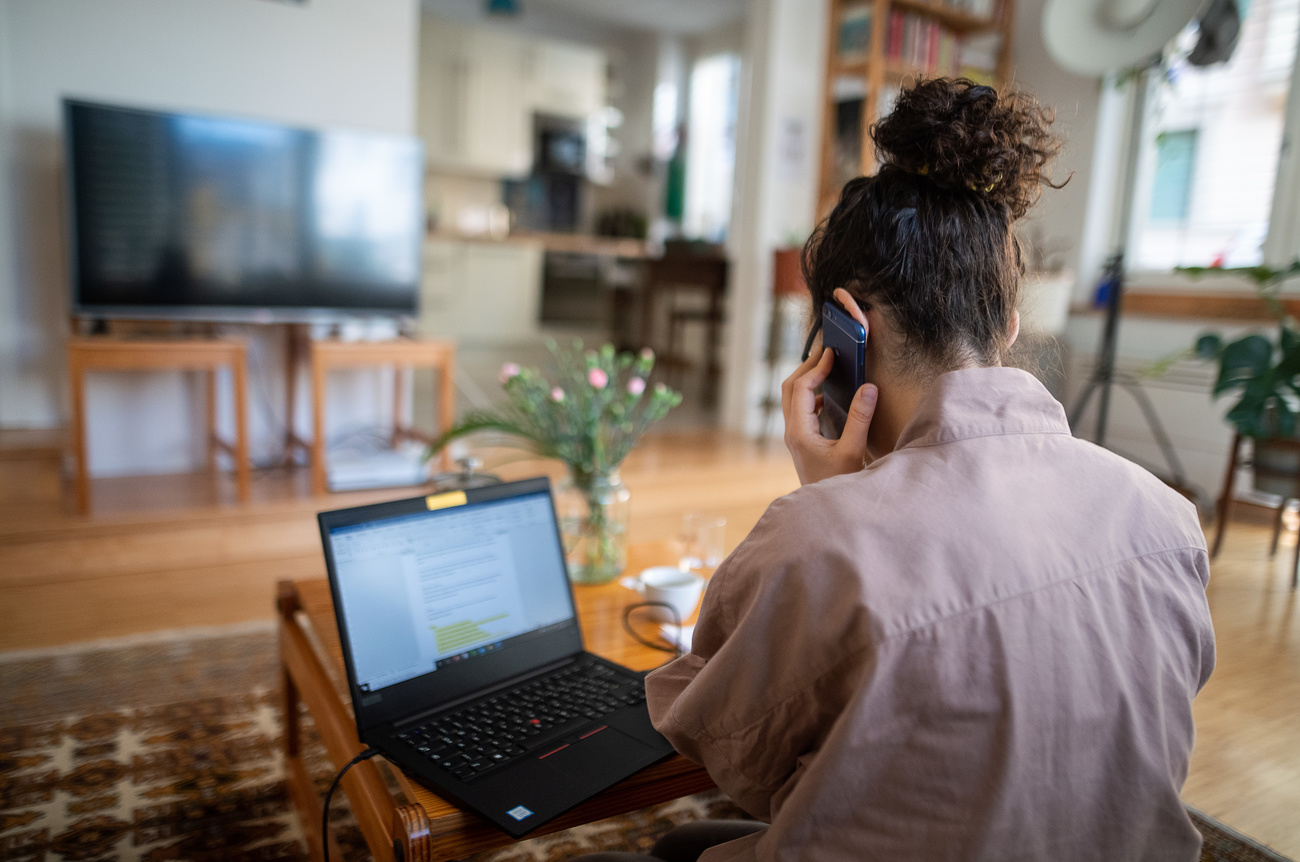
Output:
x=709 y=273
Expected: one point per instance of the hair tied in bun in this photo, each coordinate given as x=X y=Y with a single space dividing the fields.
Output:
x=970 y=137
x=976 y=187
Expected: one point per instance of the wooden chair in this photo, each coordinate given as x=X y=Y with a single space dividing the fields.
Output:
x=681 y=272
x=1286 y=478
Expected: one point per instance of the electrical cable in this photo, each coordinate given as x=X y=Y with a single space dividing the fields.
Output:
x=675 y=649
x=260 y=383
x=325 y=815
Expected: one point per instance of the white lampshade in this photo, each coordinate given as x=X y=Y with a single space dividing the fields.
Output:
x=1093 y=37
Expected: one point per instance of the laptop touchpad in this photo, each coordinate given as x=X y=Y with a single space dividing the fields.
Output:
x=601 y=754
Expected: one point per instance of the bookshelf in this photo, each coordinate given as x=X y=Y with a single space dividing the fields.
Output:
x=877 y=46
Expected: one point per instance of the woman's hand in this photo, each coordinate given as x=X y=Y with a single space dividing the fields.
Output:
x=815 y=457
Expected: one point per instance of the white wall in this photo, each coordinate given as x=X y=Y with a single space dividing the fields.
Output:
x=776 y=181
x=333 y=63
x=8 y=327
x=1058 y=218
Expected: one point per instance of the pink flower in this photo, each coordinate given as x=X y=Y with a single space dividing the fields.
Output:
x=636 y=386
x=557 y=395
x=508 y=370
x=597 y=378
x=647 y=354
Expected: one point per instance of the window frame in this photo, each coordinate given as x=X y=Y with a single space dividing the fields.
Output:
x=1281 y=243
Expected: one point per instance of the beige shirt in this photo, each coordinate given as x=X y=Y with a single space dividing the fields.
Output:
x=984 y=646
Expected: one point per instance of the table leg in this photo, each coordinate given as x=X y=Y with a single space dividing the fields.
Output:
x=240 y=365
x=77 y=378
x=400 y=423
x=210 y=403
x=713 y=372
x=317 y=426
x=446 y=402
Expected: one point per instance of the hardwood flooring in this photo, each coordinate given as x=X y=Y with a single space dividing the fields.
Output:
x=176 y=551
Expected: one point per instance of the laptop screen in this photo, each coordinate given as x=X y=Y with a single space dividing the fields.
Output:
x=420 y=592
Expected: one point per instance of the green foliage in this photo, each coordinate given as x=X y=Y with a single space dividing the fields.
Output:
x=1265 y=372
x=589 y=417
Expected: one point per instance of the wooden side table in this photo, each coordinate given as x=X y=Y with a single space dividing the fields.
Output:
x=403 y=353
x=413 y=823
x=144 y=354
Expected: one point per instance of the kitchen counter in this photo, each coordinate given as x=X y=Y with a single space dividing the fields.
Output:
x=571 y=243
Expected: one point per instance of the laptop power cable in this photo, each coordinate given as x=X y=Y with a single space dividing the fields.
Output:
x=325 y=816
x=675 y=649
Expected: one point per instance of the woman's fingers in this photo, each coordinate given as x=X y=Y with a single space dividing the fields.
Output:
x=853 y=442
x=787 y=386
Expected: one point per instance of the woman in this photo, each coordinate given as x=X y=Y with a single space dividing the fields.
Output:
x=968 y=635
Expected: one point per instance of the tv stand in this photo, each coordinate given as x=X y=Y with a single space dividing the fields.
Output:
x=109 y=353
x=402 y=354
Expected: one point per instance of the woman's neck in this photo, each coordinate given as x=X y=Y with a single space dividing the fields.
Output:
x=900 y=397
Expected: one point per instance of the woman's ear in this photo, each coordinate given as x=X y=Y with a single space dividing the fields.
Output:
x=849 y=304
x=1013 y=327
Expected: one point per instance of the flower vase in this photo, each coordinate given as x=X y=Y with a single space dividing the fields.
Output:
x=593 y=511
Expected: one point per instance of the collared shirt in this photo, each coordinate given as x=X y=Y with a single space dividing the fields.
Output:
x=983 y=646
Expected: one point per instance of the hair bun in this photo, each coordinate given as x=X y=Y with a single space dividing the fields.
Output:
x=963 y=135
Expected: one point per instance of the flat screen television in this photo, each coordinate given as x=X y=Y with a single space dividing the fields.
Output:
x=201 y=217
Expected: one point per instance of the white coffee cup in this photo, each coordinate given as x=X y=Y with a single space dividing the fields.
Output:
x=671 y=586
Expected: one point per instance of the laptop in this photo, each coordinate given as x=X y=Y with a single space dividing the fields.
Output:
x=465 y=660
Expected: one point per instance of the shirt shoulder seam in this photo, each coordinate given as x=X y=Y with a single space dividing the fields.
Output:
x=1072 y=578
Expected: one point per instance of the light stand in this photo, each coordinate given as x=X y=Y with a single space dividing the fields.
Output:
x=1104 y=374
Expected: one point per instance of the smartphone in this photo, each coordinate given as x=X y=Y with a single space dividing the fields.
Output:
x=848 y=340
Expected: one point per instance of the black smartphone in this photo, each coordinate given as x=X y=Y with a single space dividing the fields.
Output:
x=848 y=339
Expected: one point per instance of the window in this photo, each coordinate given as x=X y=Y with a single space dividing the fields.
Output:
x=711 y=146
x=1211 y=144
x=1172 y=187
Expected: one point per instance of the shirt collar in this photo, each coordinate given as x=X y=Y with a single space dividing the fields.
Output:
x=983 y=402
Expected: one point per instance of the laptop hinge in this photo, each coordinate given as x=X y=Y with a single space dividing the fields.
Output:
x=488 y=692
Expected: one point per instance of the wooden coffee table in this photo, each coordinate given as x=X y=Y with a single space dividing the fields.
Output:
x=401 y=820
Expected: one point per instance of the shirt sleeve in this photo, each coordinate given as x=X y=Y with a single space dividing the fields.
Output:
x=760 y=688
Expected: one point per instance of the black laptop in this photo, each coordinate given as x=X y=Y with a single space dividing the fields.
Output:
x=465 y=659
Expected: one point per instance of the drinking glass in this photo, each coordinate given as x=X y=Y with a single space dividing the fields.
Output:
x=703 y=540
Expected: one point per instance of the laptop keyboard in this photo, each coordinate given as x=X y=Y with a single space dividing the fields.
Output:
x=518 y=722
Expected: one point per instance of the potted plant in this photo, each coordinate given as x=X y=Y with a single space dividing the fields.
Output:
x=590 y=416
x=1266 y=374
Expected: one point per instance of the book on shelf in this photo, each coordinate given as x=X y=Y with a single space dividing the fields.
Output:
x=854 y=38
x=976 y=8
x=922 y=43
x=979 y=58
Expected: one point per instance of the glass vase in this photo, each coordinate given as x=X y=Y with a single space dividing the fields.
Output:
x=593 y=511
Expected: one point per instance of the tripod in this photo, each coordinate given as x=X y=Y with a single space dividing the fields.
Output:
x=1104 y=376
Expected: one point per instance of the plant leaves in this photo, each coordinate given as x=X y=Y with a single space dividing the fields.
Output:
x=1209 y=345
x=1244 y=360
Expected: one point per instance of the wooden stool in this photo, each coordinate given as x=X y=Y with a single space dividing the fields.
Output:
x=402 y=353
x=198 y=354
x=1226 y=501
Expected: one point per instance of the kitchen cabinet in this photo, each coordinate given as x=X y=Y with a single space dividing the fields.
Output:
x=566 y=80
x=473 y=110
x=478 y=91
x=481 y=292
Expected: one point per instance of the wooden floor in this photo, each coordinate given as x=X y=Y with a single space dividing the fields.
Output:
x=178 y=551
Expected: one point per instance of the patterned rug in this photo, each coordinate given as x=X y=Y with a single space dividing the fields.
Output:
x=167 y=749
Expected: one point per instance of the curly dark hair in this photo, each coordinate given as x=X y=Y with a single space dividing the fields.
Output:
x=928 y=238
